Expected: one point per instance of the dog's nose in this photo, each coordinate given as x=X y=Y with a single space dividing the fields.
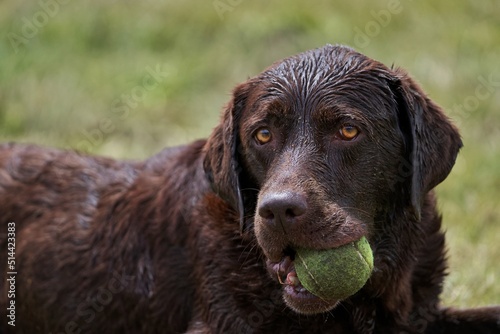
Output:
x=282 y=206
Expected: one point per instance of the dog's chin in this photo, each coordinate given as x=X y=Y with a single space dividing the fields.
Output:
x=304 y=302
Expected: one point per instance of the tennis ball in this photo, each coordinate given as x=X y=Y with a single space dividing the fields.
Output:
x=337 y=273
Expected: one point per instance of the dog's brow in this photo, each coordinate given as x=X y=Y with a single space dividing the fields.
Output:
x=276 y=107
x=333 y=114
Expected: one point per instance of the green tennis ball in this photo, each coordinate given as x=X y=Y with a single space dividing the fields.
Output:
x=337 y=273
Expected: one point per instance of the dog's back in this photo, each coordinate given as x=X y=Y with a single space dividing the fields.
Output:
x=83 y=228
x=38 y=184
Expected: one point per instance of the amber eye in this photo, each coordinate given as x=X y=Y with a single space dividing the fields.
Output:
x=263 y=136
x=348 y=132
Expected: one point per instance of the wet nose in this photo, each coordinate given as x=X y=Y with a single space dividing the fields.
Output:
x=282 y=207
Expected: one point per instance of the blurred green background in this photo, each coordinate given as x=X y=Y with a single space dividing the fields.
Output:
x=77 y=74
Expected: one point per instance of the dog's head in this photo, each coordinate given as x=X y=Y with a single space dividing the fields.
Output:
x=320 y=148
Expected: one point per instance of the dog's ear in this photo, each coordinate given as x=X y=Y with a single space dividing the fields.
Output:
x=221 y=164
x=432 y=142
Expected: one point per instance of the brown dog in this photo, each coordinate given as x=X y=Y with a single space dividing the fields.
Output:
x=315 y=152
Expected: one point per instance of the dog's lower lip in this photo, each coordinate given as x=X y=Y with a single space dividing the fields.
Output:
x=303 y=299
x=299 y=292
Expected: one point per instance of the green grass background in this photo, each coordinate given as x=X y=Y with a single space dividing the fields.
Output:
x=62 y=78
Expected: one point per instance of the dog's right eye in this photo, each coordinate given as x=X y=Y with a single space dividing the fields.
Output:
x=263 y=136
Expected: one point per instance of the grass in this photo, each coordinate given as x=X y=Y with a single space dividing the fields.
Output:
x=63 y=82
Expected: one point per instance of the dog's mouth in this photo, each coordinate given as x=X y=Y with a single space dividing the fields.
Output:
x=295 y=295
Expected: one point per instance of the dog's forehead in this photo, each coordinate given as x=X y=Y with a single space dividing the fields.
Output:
x=329 y=62
x=330 y=75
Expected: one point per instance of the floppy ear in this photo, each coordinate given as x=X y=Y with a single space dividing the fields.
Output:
x=432 y=141
x=221 y=162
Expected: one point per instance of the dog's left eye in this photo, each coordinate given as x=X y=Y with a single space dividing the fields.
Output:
x=348 y=132
x=263 y=136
